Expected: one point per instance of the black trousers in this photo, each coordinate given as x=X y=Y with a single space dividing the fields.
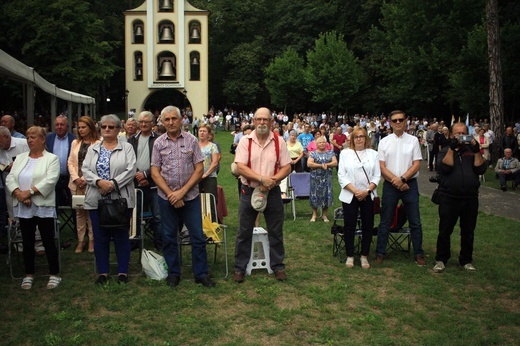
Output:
x=451 y=210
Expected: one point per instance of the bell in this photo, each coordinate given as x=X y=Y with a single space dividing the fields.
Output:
x=139 y=73
x=166 y=34
x=195 y=35
x=166 y=5
x=138 y=31
x=167 y=71
x=139 y=60
x=194 y=61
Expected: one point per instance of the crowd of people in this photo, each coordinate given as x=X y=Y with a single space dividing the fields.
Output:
x=171 y=166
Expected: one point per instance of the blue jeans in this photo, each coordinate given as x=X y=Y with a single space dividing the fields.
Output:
x=410 y=198
x=102 y=237
x=172 y=220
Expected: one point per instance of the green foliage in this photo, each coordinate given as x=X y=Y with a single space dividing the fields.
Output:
x=243 y=85
x=285 y=79
x=333 y=75
x=66 y=41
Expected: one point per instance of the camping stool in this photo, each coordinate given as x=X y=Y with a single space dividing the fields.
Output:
x=259 y=251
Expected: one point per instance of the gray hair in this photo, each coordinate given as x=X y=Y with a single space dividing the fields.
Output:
x=4 y=131
x=132 y=120
x=293 y=133
x=170 y=109
x=111 y=118
x=145 y=114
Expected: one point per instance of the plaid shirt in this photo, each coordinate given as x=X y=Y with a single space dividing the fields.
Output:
x=177 y=160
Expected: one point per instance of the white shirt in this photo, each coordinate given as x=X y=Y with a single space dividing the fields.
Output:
x=399 y=153
x=18 y=146
x=350 y=171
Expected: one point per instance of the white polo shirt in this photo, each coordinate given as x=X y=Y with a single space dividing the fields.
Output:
x=399 y=153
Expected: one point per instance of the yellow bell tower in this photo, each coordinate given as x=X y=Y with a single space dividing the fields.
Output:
x=166 y=57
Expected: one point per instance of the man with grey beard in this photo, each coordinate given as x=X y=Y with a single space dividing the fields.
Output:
x=263 y=161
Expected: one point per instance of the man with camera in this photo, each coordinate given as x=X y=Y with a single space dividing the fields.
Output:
x=460 y=164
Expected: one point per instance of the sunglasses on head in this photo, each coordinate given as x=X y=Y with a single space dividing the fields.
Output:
x=398 y=120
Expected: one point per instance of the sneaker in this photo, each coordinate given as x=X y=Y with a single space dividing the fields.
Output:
x=280 y=275
x=238 y=277
x=350 y=262
x=419 y=259
x=379 y=259
x=469 y=267
x=439 y=267
x=101 y=280
x=173 y=280
x=206 y=282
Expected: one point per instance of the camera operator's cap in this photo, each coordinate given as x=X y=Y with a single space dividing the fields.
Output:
x=258 y=200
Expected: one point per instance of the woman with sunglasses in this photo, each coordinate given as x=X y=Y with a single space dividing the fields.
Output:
x=108 y=161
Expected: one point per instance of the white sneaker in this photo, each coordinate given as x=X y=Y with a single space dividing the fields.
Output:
x=439 y=267
x=469 y=267
x=350 y=262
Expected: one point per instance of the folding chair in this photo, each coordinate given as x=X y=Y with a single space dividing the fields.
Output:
x=209 y=208
x=299 y=185
x=14 y=246
x=288 y=200
x=67 y=221
x=338 y=242
x=399 y=238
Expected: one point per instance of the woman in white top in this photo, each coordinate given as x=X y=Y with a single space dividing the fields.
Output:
x=358 y=176
x=31 y=182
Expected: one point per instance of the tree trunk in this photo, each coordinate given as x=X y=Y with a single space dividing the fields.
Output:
x=496 y=97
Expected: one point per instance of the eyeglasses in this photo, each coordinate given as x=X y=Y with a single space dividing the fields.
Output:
x=399 y=120
x=110 y=127
x=359 y=137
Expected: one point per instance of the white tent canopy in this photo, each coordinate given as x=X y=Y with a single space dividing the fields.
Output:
x=18 y=71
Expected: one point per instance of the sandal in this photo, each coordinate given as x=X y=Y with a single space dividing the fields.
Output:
x=54 y=281
x=27 y=282
x=364 y=263
x=350 y=262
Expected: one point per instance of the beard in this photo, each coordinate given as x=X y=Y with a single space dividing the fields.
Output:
x=262 y=129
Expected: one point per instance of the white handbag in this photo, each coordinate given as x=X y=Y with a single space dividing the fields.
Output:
x=78 y=201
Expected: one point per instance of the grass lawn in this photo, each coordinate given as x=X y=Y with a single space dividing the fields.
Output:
x=323 y=302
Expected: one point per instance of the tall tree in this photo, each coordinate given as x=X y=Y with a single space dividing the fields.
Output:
x=332 y=75
x=496 y=101
x=285 y=80
x=64 y=41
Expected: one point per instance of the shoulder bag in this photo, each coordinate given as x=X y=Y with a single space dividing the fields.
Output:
x=113 y=213
x=376 y=200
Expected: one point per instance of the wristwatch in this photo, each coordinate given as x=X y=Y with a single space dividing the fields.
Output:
x=31 y=191
x=403 y=179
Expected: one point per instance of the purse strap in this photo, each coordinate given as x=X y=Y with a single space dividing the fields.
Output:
x=366 y=175
x=116 y=186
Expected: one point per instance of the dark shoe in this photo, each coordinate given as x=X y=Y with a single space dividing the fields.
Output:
x=122 y=279
x=504 y=188
x=101 y=280
x=206 y=282
x=419 y=259
x=379 y=259
x=238 y=277
x=280 y=275
x=173 y=281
